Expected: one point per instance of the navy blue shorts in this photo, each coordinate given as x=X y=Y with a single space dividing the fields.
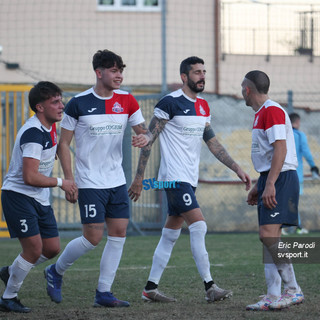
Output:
x=98 y=204
x=181 y=199
x=287 y=196
x=26 y=217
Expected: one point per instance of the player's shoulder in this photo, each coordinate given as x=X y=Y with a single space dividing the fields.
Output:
x=84 y=93
x=121 y=92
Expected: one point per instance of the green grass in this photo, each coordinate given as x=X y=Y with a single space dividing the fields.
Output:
x=236 y=264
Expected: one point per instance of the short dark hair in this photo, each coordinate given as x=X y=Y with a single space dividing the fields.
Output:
x=185 y=65
x=260 y=80
x=294 y=117
x=42 y=91
x=107 y=59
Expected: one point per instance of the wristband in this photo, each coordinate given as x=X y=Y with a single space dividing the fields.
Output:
x=59 y=182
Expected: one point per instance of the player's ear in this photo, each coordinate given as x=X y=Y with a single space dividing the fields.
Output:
x=39 y=107
x=184 y=77
x=98 y=72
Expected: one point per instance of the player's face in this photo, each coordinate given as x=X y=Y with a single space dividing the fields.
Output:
x=196 y=77
x=52 y=109
x=111 y=78
x=244 y=91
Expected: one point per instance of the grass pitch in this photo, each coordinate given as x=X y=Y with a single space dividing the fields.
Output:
x=236 y=264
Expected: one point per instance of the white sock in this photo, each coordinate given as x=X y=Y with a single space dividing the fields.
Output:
x=74 y=250
x=109 y=263
x=198 y=231
x=285 y=270
x=18 y=271
x=162 y=253
x=273 y=280
x=41 y=259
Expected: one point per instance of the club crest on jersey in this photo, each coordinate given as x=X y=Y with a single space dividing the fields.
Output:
x=256 y=121
x=202 y=110
x=117 y=108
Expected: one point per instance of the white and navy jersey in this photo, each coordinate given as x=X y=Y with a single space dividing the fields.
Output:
x=33 y=141
x=98 y=124
x=181 y=138
x=272 y=123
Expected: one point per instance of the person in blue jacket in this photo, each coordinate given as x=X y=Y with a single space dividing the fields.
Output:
x=303 y=151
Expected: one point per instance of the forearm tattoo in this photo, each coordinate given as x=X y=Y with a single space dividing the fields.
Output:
x=155 y=127
x=220 y=153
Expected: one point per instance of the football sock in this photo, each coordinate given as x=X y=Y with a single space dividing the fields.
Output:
x=273 y=279
x=41 y=259
x=74 y=250
x=162 y=253
x=207 y=285
x=285 y=270
x=198 y=231
x=151 y=286
x=18 y=271
x=109 y=262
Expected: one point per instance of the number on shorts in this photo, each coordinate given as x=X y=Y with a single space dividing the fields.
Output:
x=24 y=225
x=187 y=199
x=90 y=208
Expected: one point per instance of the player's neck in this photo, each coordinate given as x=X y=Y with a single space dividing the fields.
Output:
x=47 y=124
x=102 y=91
x=191 y=94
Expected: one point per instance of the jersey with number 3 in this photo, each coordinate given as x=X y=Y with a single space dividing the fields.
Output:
x=181 y=138
x=33 y=141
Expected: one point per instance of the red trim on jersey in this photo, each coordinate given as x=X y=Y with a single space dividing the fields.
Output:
x=121 y=104
x=202 y=108
x=53 y=134
x=269 y=117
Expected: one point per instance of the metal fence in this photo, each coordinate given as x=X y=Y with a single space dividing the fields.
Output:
x=220 y=194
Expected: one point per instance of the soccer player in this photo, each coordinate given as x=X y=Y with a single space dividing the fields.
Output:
x=303 y=151
x=97 y=119
x=182 y=120
x=276 y=192
x=25 y=192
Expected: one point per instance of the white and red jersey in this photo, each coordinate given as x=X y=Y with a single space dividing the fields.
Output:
x=33 y=141
x=181 y=138
x=272 y=123
x=98 y=124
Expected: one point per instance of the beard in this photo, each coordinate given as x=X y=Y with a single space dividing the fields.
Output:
x=194 y=85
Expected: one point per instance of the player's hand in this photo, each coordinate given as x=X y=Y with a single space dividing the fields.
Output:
x=140 y=140
x=245 y=178
x=135 y=189
x=269 y=196
x=71 y=190
x=252 y=199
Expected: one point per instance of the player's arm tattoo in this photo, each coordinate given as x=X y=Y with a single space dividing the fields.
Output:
x=141 y=128
x=221 y=153
x=155 y=127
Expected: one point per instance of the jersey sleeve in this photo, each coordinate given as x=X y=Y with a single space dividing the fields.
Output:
x=275 y=124
x=135 y=114
x=71 y=115
x=164 y=108
x=31 y=143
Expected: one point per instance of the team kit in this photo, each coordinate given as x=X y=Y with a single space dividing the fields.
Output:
x=96 y=120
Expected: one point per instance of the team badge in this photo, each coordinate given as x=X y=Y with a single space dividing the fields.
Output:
x=117 y=108
x=202 y=110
